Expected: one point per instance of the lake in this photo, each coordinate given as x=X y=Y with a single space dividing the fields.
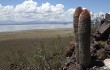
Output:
x=11 y=28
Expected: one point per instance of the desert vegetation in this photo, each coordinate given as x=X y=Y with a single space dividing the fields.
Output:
x=35 y=50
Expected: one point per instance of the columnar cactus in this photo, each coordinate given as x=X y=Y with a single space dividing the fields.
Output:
x=84 y=32
x=75 y=24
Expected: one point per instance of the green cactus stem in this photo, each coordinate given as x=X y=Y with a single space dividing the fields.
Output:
x=84 y=32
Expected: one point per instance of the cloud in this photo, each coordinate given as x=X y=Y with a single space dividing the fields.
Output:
x=26 y=7
x=30 y=11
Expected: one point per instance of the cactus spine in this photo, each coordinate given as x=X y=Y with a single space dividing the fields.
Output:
x=84 y=32
x=75 y=24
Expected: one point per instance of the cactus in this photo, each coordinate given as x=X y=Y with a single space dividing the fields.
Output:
x=75 y=24
x=84 y=32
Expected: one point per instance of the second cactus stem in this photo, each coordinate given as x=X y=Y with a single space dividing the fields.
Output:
x=75 y=22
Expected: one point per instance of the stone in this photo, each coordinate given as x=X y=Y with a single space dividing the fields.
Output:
x=101 y=54
x=70 y=49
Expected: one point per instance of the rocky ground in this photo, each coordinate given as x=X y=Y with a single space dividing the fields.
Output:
x=100 y=49
x=100 y=57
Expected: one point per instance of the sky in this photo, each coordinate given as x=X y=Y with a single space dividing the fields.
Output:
x=47 y=10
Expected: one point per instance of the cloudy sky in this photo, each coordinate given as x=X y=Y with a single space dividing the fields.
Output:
x=47 y=10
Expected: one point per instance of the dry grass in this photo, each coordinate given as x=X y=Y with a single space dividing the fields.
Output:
x=34 y=46
x=34 y=33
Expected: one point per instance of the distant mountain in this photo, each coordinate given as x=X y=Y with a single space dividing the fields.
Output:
x=7 y=22
x=99 y=15
x=10 y=22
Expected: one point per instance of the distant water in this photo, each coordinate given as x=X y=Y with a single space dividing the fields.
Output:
x=11 y=28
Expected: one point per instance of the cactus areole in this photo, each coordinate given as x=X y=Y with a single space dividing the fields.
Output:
x=75 y=24
x=84 y=32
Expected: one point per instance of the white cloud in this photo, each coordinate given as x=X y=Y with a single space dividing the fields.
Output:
x=30 y=11
x=26 y=6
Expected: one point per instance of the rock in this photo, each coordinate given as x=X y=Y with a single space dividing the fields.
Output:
x=107 y=63
x=70 y=49
x=97 y=36
x=93 y=51
x=93 y=57
x=75 y=67
x=96 y=45
x=107 y=48
x=68 y=53
x=94 y=68
x=102 y=21
x=108 y=41
x=101 y=54
x=98 y=68
x=104 y=29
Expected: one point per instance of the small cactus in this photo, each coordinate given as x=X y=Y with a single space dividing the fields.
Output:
x=84 y=32
x=75 y=24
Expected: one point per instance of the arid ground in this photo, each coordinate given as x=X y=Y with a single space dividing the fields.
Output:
x=11 y=42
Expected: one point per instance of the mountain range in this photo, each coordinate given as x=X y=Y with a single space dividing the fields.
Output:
x=11 y=22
